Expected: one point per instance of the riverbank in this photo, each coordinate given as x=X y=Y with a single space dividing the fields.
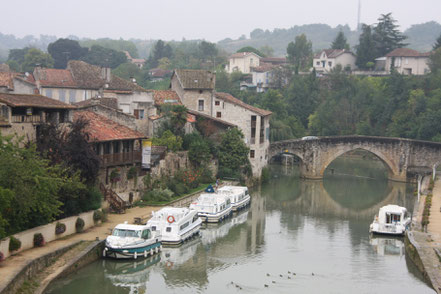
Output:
x=424 y=247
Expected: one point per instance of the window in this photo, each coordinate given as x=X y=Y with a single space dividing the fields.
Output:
x=195 y=218
x=62 y=94
x=153 y=228
x=146 y=234
x=141 y=113
x=138 y=113
x=251 y=61
x=317 y=63
x=72 y=95
x=218 y=114
x=184 y=226
x=168 y=229
x=217 y=102
x=201 y=105
x=330 y=63
x=251 y=153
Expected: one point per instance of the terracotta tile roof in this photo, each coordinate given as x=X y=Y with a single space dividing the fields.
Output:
x=87 y=76
x=229 y=98
x=242 y=54
x=196 y=113
x=102 y=129
x=406 y=52
x=263 y=67
x=109 y=102
x=4 y=67
x=196 y=79
x=25 y=100
x=51 y=77
x=166 y=96
x=274 y=60
x=333 y=53
x=7 y=79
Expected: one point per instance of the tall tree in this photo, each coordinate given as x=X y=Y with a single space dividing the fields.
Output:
x=435 y=60
x=64 y=50
x=160 y=50
x=207 y=50
x=251 y=49
x=365 y=48
x=386 y=35
x=340 y=42
x=105 y=57
x=437 y=43
x=34 y=58
x=300 y=52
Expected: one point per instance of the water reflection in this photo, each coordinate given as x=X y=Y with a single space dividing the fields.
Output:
x=387 y=245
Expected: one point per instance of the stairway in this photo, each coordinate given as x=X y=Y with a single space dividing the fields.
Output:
x=116 y=203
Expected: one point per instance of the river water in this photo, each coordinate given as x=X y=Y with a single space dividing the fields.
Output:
x=297 y=236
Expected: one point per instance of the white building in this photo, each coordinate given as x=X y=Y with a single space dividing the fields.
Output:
x=328 y=59
x=407 y=61
x=242 y=62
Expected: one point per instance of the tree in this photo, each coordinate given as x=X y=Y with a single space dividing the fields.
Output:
x=160 y=50
x=435 y=60
x=16 y=58
x=300 y=53
x=365 y=48
x=268 y=51
x=207 y=50
x=233 y=153
x=64 y=50
x=34 y=58
x=340 y=42
x=386 y=35
x=104 y=57
x=250 y=49
x=437 y=43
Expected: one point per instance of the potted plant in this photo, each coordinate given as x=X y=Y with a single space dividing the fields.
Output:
x=14 y=244
x=79 y=225
x=60 y=228
x=39 y=240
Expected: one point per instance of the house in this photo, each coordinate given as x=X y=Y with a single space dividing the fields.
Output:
x=159 y=74
x=139 y=62
x=13 y=82
x=407 y=61
x=195 y=88
x=118 y=146
x=328 y=59
x=242 y=62
x=274 y=60
x=22 y=114
x=262 y=76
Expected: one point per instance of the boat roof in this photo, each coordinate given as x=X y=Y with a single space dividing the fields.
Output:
x=211 y=198
x=177 y=212
x=131 y=227
x=233 y=188
x=393 y=208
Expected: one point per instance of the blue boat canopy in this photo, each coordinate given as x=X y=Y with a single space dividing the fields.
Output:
x=209 y=189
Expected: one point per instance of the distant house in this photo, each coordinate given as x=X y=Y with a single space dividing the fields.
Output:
x=242 y=62
x=22 y=114
x=407 y=61
x=262 y=76
x=13 y=82
x=328 y=59
x=274 y=60
x=139 y=62
x=159 y=74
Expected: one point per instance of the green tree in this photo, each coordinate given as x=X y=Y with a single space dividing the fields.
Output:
x=435 y=61
x=207 y=50
x=64 y=50
x=300 y=53
x=268 y=51
x=173 y=143
x=104 y=57
x=127 y=71
x=437 y=43
x=35 y=57
x=340 y=42
x=199 y=152
x=160 y=50
x=386 y=35
x=250 y=49
x=233 y=152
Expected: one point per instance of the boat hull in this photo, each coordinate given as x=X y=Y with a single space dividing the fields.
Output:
x=241 y=205
x=184 y=237
x=133 y=252
x=215 y=218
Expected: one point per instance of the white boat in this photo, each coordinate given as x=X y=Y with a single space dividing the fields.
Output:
x=391 y=220
x=212 y=207
x=132 y=241
x=239 y=196
x=175 y=224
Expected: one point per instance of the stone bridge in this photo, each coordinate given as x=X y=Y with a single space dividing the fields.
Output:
x=400 y=156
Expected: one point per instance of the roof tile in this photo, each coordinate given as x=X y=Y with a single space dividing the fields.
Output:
x=26 y=100
x=229 y=98
x=196 y=79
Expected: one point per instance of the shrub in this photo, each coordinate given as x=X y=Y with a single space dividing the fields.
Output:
x=115 y=176
x=97 y=215
x=104 y=215
x=38 y=240
x=206 y=176
x=60 y=228
x=14 y=244
x=2 y=257
x=79 y=225
x=132 y=173
x=158 y=195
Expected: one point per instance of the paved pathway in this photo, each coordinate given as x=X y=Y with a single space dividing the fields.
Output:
x=14 y=264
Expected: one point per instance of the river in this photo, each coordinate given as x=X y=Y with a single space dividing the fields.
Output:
x=297 y=236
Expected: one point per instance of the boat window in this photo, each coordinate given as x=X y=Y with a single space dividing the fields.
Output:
x=153 y=228
x=168 y=229
x=228 y=201
x=184 y=226
x=146 y=234
x=392 y=218
x=195 y=218
x=126 y=233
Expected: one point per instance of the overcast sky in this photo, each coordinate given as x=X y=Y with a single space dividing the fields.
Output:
x=212 y=20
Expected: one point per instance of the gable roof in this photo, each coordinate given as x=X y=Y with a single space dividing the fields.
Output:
x=102 y=129
x=229 y=98
x=243 y=54
x=26 y=100
x=51 y=77
x=215 y=119
x=333 y=53
x=195 y=79
x=406 y=52
x=6 y=80
x=166 y=97
x=274 y=60
x=263 y=67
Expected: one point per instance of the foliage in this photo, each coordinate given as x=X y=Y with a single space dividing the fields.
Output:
x=132 y=173
x=386 y=35
x=14 y=244
x=365 y=48
x=60 y=228
x=251 y=49
x=233 y=152
x=127 y=71
x=39 y=240
x=34 y=58
x=64 y=50
x=160 y=50
x=300 y=53
x=340 y=42
x=157 y=195
x=104 y=57
x=437 y=43
x=199 y=152
x=97 y=215
x=173 y=143
x=79 y=225
x=115 y=175
x=117 y=45
x=435 y=61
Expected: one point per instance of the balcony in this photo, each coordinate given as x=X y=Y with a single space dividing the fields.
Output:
x=26 y=119
x=120 y=158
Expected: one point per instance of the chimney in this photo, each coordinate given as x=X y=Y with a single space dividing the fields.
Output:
x=106 y=74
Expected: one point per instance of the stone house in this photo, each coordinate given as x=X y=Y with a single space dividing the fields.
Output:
x=21 y=114
x=139 y=62
x=13 y=82
x=407 y=61
x=242 y=62
x=263 y=76
x=328 y=59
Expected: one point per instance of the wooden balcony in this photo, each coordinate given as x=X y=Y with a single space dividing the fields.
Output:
x=26 y=119
x=120 y=158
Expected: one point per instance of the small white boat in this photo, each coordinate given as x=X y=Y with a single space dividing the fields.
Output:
x=175 y=224
x=213 y=207
x=391 y=220
x=132 y=241
x=239 y=196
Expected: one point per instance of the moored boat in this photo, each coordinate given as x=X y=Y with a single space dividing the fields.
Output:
x=132 y=241
x=213 y=207
x=239 y=196
x=175 y=225
x=391 y=220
